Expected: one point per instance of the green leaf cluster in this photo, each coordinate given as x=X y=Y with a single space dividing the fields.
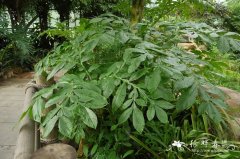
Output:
x=117 y=84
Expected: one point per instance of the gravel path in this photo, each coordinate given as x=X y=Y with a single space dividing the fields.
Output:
x=12 y=93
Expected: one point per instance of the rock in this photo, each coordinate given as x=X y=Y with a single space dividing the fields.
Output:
x=42 y=81
x=55 y=151
x=59 y=74
x=189 y=46
x=233 y=100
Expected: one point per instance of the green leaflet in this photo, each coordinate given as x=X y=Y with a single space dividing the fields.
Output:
x=184 y=83
x=202 y=108
x=37 y=108
x=49 y=126
x=123 y=37
x=90 y=85
x=96 y=103
x=65 y=126
x=138 y=119
x=119 y=97
x=68 y=66
x=141 y=102
x=54 y=100
x=106 y=39
x=50 y=115
x=174 y=61
x=90 y=45
x=85 y=150
x=79 y=134
x=171 y=72
x=220 y=103
x=133 y=94
x=90 y=98
x=164 y=104
x=90 y=118
x=163 y=93
x=161 y=115
x=45 y=93
x=152 y=81
x=112 y=155
x=214 y=35
x=93 y=67
x=188 y=98
x=150 y=112
x=129 y=152
x=81 y=97
x=223 y=44
x=129 y=52
x=158 y=51
x=235 y=44
x=147 y=45
x=203 y=93
x=27 y=112
x=112 y=69
x=95 y=20
x=55 y=70
x=68 y=111
x=127 y=56
x=74 y=99
x=125 y=115
x=136 y=50
x=108 y=86
x=216 y=91
x=214 y=114
x=58 y=97
x=135 y=63
x=127 y=103
x=205 y=38
x=94 y=149
x=138 y=74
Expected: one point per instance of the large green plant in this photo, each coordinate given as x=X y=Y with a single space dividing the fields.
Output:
x=220 y=64
x=15 y=48
x=233 y=19
x=18 y=50
x=121 y=88
x=183 y=8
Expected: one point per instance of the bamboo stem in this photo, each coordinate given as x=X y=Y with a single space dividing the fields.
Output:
x=26 y=137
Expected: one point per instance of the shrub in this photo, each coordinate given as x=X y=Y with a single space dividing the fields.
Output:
x=125 y=94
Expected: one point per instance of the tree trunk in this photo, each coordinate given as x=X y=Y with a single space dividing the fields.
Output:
x=137 y=11
x=15 y=11
x=42 y=9
x=12 y=18
x=63 y=8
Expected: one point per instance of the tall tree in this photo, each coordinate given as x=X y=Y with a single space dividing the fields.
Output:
x=15 y=10
x=42 y=9
x=63 y=8
x=137 y=11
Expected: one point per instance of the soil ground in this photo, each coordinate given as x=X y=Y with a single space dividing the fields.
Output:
x=12 y=93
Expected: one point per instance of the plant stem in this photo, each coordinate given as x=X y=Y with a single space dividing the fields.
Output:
x=144 y=146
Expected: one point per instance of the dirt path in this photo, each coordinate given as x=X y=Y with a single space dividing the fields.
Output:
x=12 y=93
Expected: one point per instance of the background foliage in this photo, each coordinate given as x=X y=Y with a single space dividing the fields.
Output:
x=128 y=90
